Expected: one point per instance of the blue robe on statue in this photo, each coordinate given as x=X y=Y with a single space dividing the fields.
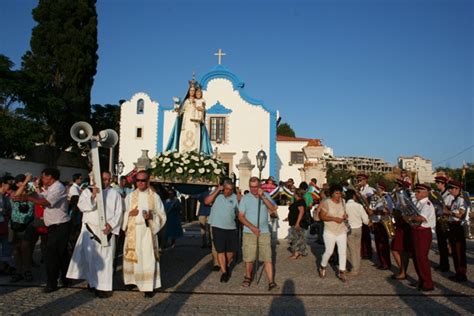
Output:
x=173 y=142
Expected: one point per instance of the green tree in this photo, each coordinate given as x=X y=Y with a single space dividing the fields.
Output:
x=9 y=84
x=60 y=67
x=105 y=116
x=285 y=129
x=18 y=134
x=335 y=176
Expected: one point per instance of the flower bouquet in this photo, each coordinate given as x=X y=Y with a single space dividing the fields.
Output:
x=186 y=167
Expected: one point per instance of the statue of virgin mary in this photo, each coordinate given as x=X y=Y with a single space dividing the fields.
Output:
x=189 y=131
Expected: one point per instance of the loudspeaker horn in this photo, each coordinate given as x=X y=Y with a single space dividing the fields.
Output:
x=81 y=132
x=108 y=138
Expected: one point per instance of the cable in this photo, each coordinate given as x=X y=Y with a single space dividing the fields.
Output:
x=464 y=150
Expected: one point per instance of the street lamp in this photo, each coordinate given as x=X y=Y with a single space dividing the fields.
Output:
x=261 y=161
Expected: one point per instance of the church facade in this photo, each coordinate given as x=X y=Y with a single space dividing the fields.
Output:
x=235 y=122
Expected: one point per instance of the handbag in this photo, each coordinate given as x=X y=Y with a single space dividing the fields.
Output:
x=18 y=227
x=346 y=221
x=306 y=221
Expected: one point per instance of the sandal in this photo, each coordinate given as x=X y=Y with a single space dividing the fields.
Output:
x=322 y=272
x=342 y=276
x=16 y=278
x=398 y=277
x=272 y=285
x=247 y=281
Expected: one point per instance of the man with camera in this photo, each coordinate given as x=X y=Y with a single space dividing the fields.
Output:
x=144 y=217
x=90 y=260
x=56 y=218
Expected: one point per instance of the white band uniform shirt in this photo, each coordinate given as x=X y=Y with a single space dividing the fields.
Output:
x=427 y=210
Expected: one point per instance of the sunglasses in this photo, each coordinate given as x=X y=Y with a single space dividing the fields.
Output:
x=142 y=180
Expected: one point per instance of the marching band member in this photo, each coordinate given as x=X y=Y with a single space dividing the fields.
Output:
x=401 y=243
x=422 y=235
x=383 y=206
x=366 y=193
x=441 y=223
x=457 y=239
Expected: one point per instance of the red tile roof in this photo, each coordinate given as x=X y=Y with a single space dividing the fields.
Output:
x=311 y=141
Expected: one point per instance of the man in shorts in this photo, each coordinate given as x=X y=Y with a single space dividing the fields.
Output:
x=256 y=230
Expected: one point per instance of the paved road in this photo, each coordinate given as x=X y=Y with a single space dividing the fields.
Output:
x=191 y=288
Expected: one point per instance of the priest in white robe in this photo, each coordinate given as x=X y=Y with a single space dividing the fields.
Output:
x=143 y=218
x=91 y=261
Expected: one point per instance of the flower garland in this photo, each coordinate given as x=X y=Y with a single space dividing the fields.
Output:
x=186 y=167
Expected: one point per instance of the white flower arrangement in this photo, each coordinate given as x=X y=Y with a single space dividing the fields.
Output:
x=187 y=167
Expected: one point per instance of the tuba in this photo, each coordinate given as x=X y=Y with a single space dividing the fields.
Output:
x=407 y=207
x=385 y=220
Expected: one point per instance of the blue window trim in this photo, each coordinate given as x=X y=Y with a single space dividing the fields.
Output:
x=160 y=129
x=218 y=109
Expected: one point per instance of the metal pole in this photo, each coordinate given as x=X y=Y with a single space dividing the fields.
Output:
x=100 y=197
x=111 y=161
x=255 y=268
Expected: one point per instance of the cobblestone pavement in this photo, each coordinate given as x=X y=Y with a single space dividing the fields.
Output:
x=191 y=288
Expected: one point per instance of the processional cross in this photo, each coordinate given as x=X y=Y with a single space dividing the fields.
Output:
x=219 y=55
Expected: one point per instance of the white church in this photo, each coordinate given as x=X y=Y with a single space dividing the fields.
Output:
x=236 y=123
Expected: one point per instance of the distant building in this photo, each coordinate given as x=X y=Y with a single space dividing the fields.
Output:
x=360 y=164
x=423 y=168
x=294 y=163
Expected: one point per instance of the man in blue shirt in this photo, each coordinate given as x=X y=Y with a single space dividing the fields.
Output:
x=256 y=231
x=222 y=220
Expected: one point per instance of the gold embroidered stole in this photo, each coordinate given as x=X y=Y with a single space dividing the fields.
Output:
x=130 y=249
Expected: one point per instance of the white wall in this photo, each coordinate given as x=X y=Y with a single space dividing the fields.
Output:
x=248 y=125
x=15 y=167
x=284 y=149
x=130 y=147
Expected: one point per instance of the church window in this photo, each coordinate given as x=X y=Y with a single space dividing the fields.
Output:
x=297 y=157
x=140 y=106
x=217 y=130
x=139 y=133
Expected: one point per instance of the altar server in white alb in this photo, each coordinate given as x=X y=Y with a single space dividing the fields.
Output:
x=90 y=260
x=143 y=218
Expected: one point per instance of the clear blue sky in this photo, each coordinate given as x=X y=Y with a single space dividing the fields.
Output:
x=374 y=78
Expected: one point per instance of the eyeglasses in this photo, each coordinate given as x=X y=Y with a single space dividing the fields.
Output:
x=254 y=186
x=142 y=180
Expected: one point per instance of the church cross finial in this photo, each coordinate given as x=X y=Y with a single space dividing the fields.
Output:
x=219 y=55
